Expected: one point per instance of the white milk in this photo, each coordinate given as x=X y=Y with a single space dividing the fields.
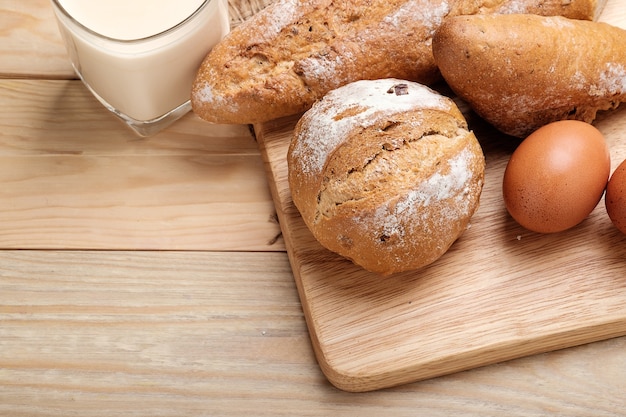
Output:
x=130 y=19
x=136 y=74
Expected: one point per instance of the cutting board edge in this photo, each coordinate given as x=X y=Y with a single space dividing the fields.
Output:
x=510 y=349
x=287 y=238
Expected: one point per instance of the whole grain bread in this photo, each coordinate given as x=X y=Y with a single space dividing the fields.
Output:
x=291 y=53
x=385 y=173
x=520 y=72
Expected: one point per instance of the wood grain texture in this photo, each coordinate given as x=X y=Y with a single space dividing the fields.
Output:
x=161 y=333
x=73 y=177
x=614 y=13
x=31 y=45
x=501 y=292
x=97 y=334
x=30 y=42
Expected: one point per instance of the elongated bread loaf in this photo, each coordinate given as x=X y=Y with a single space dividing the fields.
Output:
x=385 y=173
x=290 y=54
x=520 y=72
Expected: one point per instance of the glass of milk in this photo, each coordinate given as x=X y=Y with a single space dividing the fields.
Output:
x=140 y=57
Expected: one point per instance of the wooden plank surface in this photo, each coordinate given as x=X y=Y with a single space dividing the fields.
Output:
x=30 y=43
x=73 y=177
x=499 y=293
x=196 y=333
x=99 y=334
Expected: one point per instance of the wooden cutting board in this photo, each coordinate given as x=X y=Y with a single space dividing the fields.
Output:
x=501 y=292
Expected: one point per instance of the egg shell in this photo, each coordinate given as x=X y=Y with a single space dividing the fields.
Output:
x=557 y=176
x=615 y=198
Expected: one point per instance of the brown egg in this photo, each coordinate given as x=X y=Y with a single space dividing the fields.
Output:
x=556 y=176
x=615 y=198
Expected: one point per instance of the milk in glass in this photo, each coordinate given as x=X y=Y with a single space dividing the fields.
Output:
x=140 y=57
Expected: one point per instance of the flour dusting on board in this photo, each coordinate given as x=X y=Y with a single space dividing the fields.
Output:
x=358 y=101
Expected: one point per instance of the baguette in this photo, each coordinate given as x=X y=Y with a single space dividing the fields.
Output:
x=385 y=173
x=283 y=59
x=520 y=72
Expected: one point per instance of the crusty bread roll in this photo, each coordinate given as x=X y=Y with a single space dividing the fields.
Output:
x=290 y=54
x=385 y=173
x=520 y=72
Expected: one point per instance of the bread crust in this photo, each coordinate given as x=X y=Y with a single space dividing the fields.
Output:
x=293 y=52
x=520 y=72
x=386 y=178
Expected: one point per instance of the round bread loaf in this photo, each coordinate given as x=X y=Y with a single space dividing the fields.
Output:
x=385 y=173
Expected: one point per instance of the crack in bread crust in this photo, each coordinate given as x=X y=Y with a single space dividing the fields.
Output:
x=385 y=173
x=286 y=57
x=394 y=145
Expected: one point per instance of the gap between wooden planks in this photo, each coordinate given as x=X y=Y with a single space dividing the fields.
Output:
x=73 y=177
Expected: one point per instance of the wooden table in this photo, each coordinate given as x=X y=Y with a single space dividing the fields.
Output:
x=148 y=276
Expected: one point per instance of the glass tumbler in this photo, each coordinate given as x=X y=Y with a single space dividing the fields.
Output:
x=139 y=57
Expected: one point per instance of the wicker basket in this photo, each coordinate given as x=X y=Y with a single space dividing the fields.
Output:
x=241 y=10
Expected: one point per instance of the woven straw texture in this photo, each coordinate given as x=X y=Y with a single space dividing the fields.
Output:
x=241 y=10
